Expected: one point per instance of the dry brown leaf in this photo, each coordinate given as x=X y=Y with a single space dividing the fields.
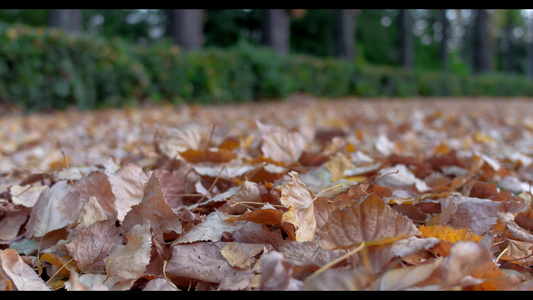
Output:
x=94 y=243
x=368 y=220
x=153 y=208
x=201 y=261
x=518 y=252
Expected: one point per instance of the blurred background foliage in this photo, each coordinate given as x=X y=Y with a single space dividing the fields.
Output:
x=119 y=57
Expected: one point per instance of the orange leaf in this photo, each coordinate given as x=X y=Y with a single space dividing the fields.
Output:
x=195 y=156
x=60 y=164
x=269 y=216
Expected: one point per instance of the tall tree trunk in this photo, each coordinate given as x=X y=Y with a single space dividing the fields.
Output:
x=186 y=27
x=530 y=55
x=405 y=41
x=482 y=47
x=276 y=30
x=344 y=33
x=65 y=19
x=443 y=46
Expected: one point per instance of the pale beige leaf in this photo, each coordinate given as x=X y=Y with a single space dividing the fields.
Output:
x=26 y=195
x=180 y=139
x=337 y=165
x=297 y=198
x=281 y=144
x=402 y=278
x=241 y=255
x=91 y=212
x=211 y=229
x=23 y=277
x=51 y=212
x=127 y=185
x=126 y=263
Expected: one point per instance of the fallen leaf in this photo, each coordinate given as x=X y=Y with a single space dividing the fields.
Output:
x=297 y=198
x=368 y=220
x=20 y=276
x=127 y=262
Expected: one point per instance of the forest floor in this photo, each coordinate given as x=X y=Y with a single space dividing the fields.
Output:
x=301 y=194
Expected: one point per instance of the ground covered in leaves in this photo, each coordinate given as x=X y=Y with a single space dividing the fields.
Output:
x=305 y=194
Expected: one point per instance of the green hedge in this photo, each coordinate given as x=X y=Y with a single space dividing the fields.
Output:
x=46 y=68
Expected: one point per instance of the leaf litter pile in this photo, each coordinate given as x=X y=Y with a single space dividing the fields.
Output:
x=303 y=194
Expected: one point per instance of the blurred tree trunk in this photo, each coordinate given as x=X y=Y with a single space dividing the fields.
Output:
x=186 y=27
x=511 y=19
x=443 y=46
x=482 y=47
x=530 y=55
x=65 y=19
x=405 y=39
x=276 y=30
x=344 y=33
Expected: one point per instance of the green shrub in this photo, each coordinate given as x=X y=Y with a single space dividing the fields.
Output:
x=46 y=68
x=270 y=72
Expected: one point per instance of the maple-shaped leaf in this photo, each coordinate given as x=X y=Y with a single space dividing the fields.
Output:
x=297 y=198
x=364 y=221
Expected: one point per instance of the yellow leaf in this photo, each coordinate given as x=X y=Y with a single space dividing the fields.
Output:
x=336 y=166
x=448 y=234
